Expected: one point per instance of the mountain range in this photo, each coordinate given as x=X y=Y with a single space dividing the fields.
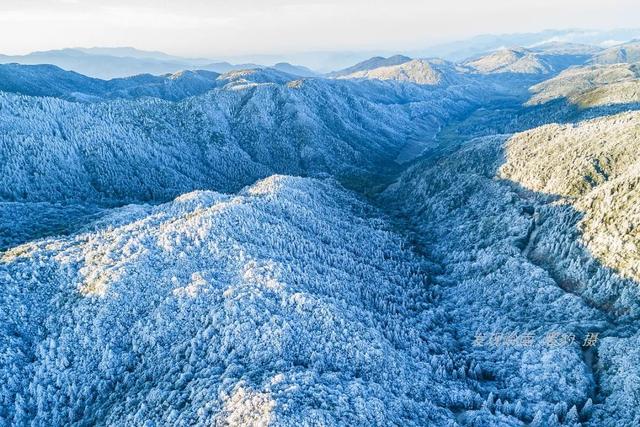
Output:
x=113 y=62
x=108 y=63
x=404 y=241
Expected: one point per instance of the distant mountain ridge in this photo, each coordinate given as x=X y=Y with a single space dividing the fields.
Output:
x=591 y=86
x=108 y=63
x=420 y=71
x=52 y=81
x=49 y=80
x=626 y=52
x=483 y=44
x=511 y=60
x=371 y=64
x=131 y=52
x=544 y=59
x=252 y=124
x=111 y=62
x=534 y=62
x=297 y=70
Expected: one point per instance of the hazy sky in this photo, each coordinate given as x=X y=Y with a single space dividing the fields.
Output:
x=222 y=28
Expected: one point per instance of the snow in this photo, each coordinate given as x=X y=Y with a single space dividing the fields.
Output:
x=527 y=243
x=258 y=248
x=591 y=86
x=151 y=149
x=511 y=61
x=285 y=302
x=49 y=80
x=417 y=71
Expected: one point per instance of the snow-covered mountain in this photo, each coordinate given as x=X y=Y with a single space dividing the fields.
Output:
x=49 y=80
x=536 y=63
x=367 y=248
x=626 y=52
x=511 y=61
x=545 y=59
x=486 y=43
x=109 y=63
x=254 y=76
x=420 y=71
x=591 y=86
x=566 y=49
x=604 y=170
x=288 y=303
x=476 y=229
x=371 y=64
x=259 y=122
x=515 y=230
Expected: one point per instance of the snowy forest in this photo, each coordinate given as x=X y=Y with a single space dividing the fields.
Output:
x=403 y=242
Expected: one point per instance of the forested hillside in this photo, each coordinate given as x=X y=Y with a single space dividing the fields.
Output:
x=49 y=80
x=542 y=220
x=289 y=302
x=151 y=149
x=403 y=242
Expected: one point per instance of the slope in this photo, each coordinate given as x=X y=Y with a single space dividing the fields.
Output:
x=370 y=64
x=626 y=52
x=536 y=232
x=49 y=80
x=510 y=61
x=151 y=149
x=288 y=303
x=419 y=71
x=591 y=86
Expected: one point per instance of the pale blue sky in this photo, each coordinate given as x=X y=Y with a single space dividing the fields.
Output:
x=222 y=28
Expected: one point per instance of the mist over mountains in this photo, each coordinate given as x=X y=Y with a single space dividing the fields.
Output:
x=112 y=62
x=405 y=240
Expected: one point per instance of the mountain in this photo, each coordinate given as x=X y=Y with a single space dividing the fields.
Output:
x=420 y=71
x=627 y=52
x=511 y=61
x=604 y=168
x=253 y=76
x=558 y=48
x=371 y=64
x=46 y=80
x=476 y=229
x=225 y=67
x=545 y=59
x=100 y=66
x=536 y=232
x=486 y=43
x=280 y=304
x=52 y=81
x=415 y=242
x=297 y=70
x=591 y=86
x=456 y=51
x=49 y=80
x=256 y=123
x=130 y=52
x=108 y=63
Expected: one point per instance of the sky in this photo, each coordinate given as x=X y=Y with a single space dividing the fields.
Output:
x=213 y=28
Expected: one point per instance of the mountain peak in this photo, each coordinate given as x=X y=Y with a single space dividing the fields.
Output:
x=372 y=63
x=297 y=70
x=420 y=71
x=517 y=60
